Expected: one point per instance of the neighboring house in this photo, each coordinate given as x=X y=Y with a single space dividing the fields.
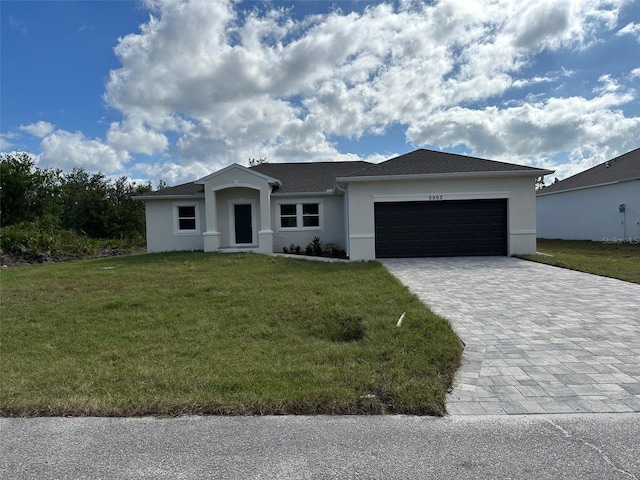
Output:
x=599 y=204
x=423 y=203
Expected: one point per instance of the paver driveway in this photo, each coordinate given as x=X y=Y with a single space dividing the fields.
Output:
x=539 y=339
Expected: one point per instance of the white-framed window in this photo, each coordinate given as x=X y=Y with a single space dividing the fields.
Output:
x=306 y=215
x=186 y=218
x=288 y=215
x=310 y=215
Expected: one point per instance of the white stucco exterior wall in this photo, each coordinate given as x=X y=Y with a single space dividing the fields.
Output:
x=162 y=235
x=519 y=192
x=591 y=213
x=331 y=229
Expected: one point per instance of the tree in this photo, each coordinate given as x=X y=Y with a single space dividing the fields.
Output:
x=85 y=207
x=90 y=204
x=28 y=193
x=101 y=208
x=257 y=161
x=128 y=214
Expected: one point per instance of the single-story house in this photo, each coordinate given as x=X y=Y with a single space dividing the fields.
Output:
x=423 y=203
x=599 y=204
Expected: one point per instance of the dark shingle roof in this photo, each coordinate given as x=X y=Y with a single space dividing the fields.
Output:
x=620 y=169
x=186 y=189
x=318 y=177
x=425 y=162
x=308 y=177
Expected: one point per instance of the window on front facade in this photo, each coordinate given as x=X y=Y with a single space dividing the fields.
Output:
x=310 y=215
x=288 y=215
x=300 y=216
x=187 y=218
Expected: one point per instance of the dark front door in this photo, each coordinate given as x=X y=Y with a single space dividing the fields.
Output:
x=244 y=233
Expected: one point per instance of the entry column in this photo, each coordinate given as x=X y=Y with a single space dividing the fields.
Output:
x=265 y=235
x=211 y=236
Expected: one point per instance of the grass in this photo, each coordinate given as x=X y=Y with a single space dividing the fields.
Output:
x=615 y=260
x=238 y=334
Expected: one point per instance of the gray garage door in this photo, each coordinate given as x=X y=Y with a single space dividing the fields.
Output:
x=441 y=228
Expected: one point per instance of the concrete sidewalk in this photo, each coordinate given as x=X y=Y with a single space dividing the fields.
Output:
x=539 y=339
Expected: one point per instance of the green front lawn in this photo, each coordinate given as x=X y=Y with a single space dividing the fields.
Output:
x=615 y=260
x=196 y=333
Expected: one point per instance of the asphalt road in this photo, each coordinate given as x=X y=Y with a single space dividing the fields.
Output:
x=584 y=446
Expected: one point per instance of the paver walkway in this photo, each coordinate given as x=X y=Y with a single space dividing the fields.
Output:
x=539 y=339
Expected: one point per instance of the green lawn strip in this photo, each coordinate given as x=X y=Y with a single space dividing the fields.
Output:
x=195 y=333
x=615 y=260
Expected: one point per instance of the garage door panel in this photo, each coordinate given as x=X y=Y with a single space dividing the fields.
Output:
x=444 y=228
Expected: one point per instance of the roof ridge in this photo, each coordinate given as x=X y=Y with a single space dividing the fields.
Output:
x=424 y=161
x=325 y=162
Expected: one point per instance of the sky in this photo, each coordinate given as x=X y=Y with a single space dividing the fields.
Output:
x=173 y=90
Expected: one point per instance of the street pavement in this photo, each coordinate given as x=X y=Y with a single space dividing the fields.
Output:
x=576 y=446
x=539 y=339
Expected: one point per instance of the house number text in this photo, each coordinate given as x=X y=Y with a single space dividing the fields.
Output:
x=435 y=197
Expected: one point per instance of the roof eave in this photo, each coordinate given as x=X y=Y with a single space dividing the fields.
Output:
x=543 y=193
x=169 y=197
x=434 y=176
x=326 y=193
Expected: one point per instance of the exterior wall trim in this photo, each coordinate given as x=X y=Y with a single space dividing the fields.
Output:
x=236 y=185
x=328 y=193
x=440 y=196
x=362 y=235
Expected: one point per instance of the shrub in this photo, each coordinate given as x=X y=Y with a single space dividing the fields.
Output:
x=316 y=246
x=35 y=239
x=332 y=249
x=292 y=248
x=43 y=242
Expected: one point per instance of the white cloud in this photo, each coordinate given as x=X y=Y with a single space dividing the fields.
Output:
x=134 y=137
x=525 y=82
x=204 y=84
x=66 y=150
x=39 y=129
x=632 y=29
x=171 y=172
x=6 y=141
x=540 y=24
x=530 y=129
